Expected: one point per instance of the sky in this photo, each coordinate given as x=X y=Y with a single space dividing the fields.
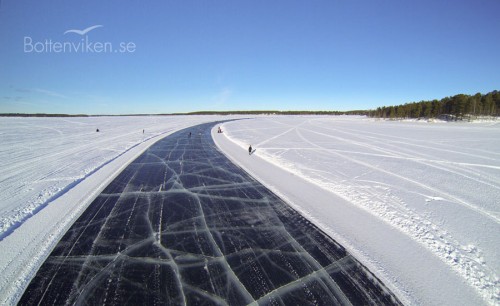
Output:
x=183 y=56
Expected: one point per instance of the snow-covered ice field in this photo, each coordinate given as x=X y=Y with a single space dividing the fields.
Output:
x=417 y=202
x=44 y=157
x=437 y=184
x=52 y=169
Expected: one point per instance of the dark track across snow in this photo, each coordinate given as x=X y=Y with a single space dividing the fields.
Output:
x=183 y=225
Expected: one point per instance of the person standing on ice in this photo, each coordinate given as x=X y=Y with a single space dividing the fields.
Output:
x=250 y=150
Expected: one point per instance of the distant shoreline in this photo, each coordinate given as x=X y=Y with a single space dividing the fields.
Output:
x=263 y=112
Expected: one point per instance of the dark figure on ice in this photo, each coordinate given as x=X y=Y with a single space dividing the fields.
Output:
x=250 y=150
x=189 y=135
x=97 y=130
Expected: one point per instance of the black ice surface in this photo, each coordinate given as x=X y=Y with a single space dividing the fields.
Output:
x=184 y=225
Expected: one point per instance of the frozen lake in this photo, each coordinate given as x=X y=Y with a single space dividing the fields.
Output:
x=183 y=225
x=415 y=202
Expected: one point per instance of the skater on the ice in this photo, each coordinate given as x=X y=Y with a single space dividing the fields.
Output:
x=219 y=130
x=189 y=135
x=97 y=130
x=250 y=150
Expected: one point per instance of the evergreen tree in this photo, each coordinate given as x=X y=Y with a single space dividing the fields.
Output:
x=458 y=106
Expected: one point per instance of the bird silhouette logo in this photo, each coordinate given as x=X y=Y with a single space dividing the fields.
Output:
x=84 y=31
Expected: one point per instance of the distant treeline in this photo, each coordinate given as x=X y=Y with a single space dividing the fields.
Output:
x=40 y=115
x=254 y=112
x=457 y=107
x=276 y=112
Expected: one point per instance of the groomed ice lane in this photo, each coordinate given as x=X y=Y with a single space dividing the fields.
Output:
x=183 y=225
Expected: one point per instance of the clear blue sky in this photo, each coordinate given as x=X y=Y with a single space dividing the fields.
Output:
x=243 y=55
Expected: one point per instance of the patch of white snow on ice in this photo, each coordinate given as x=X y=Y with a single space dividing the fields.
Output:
x=389 y=169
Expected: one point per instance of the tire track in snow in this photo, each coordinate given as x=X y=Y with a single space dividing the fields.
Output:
x=279 y=135
x=466 y=260
x=403 y=140
x=459 y=201
x=398 y=145
x=456 y=168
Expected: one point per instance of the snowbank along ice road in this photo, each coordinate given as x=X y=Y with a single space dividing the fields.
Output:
x=183 y=225
x=416 y=203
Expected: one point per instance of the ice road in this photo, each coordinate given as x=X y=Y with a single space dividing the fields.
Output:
x=183 y=225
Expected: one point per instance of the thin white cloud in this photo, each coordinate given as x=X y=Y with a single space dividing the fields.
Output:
x=222 y=97
x=49 y=93
x=30 y=104
x=42 y=91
